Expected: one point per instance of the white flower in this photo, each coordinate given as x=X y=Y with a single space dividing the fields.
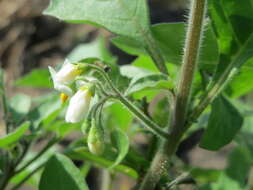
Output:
x=64 y=77
x=78 y=106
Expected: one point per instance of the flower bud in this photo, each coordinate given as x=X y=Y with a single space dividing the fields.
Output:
x=86 y=126
x=64 y=77
x=96 y=139
x=78 y=106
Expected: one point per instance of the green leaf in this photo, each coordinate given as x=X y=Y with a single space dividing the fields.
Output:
x=242 y=83
x=84 y=154
x=143 y=79
x=239 y=163
x=245 y=139
x=61 y=128
x=20 y=105
x=34 y=179
x=120 y=17
x=205 y=175
x=224 y=123
x=128 y=45
x=94 y=49
x=62 y=174
x=48 y=106
x=122 y=118
x=225 y=183
x=172 y=45
x=234 y=32
x=151 y=82
x=131 y=71
x=37 y=78
x=121 y=141
x=145 y=62
x=160 y=111
x=14 y=136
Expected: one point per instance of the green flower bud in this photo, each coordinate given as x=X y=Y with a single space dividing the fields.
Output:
x=96 y=139
x=86 y=126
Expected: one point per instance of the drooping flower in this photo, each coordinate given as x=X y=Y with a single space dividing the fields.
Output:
x=79 y=105
x=65 y=76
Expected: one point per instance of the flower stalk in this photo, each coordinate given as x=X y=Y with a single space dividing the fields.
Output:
x=152 y=126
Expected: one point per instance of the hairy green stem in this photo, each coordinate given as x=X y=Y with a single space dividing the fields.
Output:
x=193 y=39
x=152 y=126
x=192 y=45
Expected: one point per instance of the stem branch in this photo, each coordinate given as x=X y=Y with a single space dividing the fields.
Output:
x=178 y=180
x=49 y=145
x=155 y=52
x=17 y=186
x=152 y=126
x=168 y=147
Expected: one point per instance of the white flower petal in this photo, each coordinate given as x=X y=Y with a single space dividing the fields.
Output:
x=67 y=73
x=52 y=72
x=59 y=86
x=63 y=88
x=78 y=106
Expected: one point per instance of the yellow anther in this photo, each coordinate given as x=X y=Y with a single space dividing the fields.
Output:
x=63 y=97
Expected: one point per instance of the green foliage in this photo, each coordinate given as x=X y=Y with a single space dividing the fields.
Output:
x=37 y=78
x=122 y=118
x=172 y=45
x=13 y=137
x=60 y=172
x=238 y=88
x=120 y=17
x=143 y=79
x=120 y=140
x=95 y=49
x=84 y=154
x=224 y=123
x=20 y=105
x=139 y=92
x=49 y=105
x=235 y=37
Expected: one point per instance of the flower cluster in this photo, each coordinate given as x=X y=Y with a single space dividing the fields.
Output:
x=64 y=81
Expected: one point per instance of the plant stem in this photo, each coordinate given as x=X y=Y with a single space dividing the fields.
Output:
x=155 y=52
x=193 y=39
x=211 y=94
x=152 y=126
x=178 y=180
x=192 y=44
x=106 y=180
x=8 y=173
x=4 y=102
x=17 y=186
x=49 y=145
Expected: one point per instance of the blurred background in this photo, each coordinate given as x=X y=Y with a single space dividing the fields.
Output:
x=29 y=40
